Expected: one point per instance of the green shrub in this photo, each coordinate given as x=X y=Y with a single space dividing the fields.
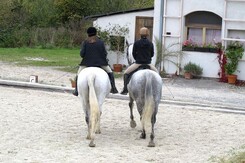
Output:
x=233 y=53
x=193 y=68
x=49 y=37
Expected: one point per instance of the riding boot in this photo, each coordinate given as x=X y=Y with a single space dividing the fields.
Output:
x=75 y=92
x=126 y=81
x=112 y=80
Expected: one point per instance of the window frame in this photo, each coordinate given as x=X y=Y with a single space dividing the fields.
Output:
x=204 y=30
x=203 y=26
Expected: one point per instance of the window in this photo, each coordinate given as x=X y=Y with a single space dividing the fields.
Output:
x=203 y=28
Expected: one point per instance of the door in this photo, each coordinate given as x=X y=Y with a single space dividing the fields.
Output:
x=143 y=22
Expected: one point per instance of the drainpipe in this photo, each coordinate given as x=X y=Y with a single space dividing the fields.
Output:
x=161 y=21
x=161 y=26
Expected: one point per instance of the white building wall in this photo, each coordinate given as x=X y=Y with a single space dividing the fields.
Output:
x=127 y=20
x=208 y=61
x=241 y=70
x=157 y=23
x=215 y=6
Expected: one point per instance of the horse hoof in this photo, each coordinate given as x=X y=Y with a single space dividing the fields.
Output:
x=142 y=136
x=151 y=144
x=91 y=144
x=98 y=132
x=133 y=124
x=88 y=137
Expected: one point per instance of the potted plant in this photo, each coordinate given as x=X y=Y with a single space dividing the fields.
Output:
x=215 y=48
x=73 y=83
x=117 y=45
x=166 y=54
x=202 y=48
x=117 y=41
x=114 y=36
x=188 y=45
x=233 y=53
x=192 y=69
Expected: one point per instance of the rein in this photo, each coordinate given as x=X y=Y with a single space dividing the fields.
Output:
x=66 y=73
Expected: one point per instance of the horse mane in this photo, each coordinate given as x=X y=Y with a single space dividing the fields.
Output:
x=129 y=53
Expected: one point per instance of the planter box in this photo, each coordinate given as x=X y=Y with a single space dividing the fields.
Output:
x=201 y=49
x=213 y=50
x=188 y=48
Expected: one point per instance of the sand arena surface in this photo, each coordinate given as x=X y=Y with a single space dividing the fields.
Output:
x=41 y=126
x=45 y=126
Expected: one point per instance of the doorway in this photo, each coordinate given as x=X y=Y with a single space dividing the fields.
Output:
x=143 y=22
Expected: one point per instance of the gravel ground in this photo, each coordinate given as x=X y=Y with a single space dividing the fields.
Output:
x=46 y=126
x=208 y=91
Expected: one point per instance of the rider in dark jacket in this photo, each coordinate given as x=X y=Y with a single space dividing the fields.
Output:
x=94 y=54
x=143 y=51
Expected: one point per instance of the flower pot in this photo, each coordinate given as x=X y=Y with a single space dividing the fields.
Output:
x=232 y=79
x=73 y=84
x=117 y=67
x=188 y=75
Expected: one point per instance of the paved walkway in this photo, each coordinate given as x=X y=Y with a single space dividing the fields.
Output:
x=205 y=92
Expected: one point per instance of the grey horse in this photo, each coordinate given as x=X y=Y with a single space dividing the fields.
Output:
x=145 y=88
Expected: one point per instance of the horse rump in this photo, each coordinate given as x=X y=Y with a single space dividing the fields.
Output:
x=145 y=89
x=93 y=87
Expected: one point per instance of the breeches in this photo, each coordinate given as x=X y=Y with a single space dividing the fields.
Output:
x=134 y=66
x=106 y=68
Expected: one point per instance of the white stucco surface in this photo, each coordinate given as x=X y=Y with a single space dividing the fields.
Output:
x=208 y=61
x=235 y=29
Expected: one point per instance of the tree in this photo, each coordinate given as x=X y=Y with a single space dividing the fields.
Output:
x=20 y=20
x=41 y=12
x=72 y=9
x=77 y=9
x=28 y=13
x=143 y=3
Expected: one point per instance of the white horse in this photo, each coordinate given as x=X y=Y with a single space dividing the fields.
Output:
x=93 y=87
x=130 y=57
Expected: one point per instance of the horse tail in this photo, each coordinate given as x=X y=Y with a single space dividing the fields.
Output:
x=94 y=106
x=149 y=103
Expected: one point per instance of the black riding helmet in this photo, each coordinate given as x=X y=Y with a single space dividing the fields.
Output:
x=91 y=31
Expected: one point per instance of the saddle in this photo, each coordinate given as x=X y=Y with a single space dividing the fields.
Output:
x=141 y=67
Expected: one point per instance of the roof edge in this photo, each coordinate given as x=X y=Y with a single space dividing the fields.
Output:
x=119 y=12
